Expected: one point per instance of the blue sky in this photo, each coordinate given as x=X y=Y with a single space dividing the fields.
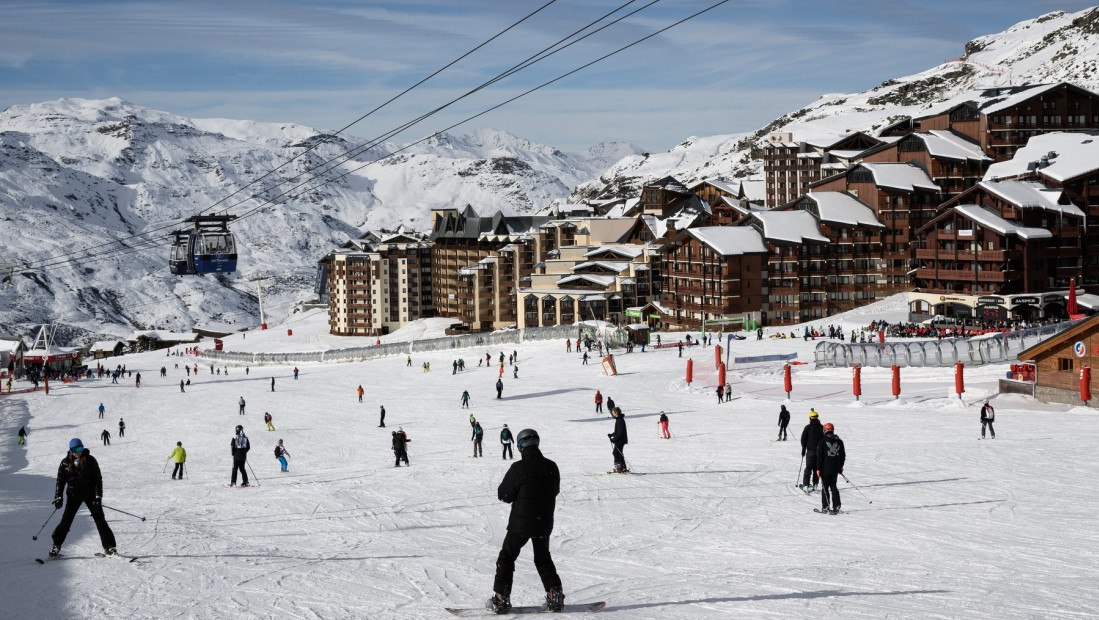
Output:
x=324 y=63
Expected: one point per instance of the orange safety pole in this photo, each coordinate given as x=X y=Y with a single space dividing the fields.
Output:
x=787 y=384
x=959 y=379
x=721 y=374
x=856 y=380
x=690 y=371
x=717 y=358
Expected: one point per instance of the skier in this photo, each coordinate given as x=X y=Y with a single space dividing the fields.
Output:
x=272 y=384
x=409 y=364
x=137 y=382
x=101 y=410
x=23 y=435
x=499 y=388
x=465 y=399
x=281 y=453
x=610 y=404
x=106 y=437
x=598 y=402
x=241 y=401
x=585 y=358
x=181 y=386
x=568 y=345
x=295 y=373
x=810 y=437
x=506 y=439
x=663 y=422
x=680 y=348
x=619 y=439
x=80 y=473
x=728 y=392
x=720 y=393
x=399 y=449
x=360 y=393
x=381 y=422
x=180 y=457
x=121 y=428
x=783 y=421
x=267 y=419
x=830 y=458
x=239 y=447
x=988 y=414
x=478 y=436
x=531 y=487
x=454 y=367
x=515 y=372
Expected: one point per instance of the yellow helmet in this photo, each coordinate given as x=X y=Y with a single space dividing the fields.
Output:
x=813 y=415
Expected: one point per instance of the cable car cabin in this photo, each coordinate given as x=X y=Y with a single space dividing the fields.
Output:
x=209 y=248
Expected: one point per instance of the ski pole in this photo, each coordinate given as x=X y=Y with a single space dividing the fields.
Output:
x=800 y=465
x=254 y=476
x=123 y=512
x=166 y=465
x=857 y=489
x=35 y=537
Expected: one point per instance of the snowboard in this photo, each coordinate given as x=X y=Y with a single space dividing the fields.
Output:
x=473 y=612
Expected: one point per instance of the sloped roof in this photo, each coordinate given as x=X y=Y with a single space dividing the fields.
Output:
x=1065 y=338
x=1075 y=154
x=627 y=252
x=952 y=145
x=843 y=208
x=990 y=219
x=1015 y=96
x=602 y=280
x=670 y=184
x=1024 y=194
x=106 y=345
x=905 y=177
x=618 y=266
x=790 y=227
x=730 y=240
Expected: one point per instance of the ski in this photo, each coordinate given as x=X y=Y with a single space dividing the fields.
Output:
x=83 y=557
x=116 y=556
x=472 y=612
x=825 y=512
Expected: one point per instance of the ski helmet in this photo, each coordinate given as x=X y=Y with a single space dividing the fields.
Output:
x=828 y=428
x=179 y=443
x=75 y=446
x=527 y=438
x=240 y=428
x=813 y=415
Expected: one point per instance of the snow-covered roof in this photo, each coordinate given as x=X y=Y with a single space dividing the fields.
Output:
x=790 y=226
x=10 y=345
x=951 y=145
x=627 y=252
x=989 y=219
x=1074 y=154
x=165 y=336
x=845 y=153
x=843 y=208
x=106 y=345
x=1015 y=98
x=905 y=177
x=754 y=189
x=1087 y=300
x=1025 y=194
x=602 y=280
x=731 y=187
x=618 y=266
x=730 y=240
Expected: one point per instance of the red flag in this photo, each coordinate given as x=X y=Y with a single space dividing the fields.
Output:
x=1071 y=308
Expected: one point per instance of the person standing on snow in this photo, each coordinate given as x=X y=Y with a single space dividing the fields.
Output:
x=478 y=436
x=101 y=410
x=663 y=422
x=830 y=457
x=267 y=418
x=181 y=386
x=272 y=384
x=728 y=392
x=239 y=446
x=23 y=435
x=531 y=487
x=810 y=438
x=180 y=457
x=598 y=402
x=81 y=480
x=241 y=401
x=106 y=437
x=121 y=428
x=506 y=439
x=465 y=399
x=783 y=422
x=281 y=453
x=619 y=439
x=399 y=448
x=499 y=388
x=720 y=393
x=360 y=393
x=610 y=404
x=381 y=422
x=988 y=414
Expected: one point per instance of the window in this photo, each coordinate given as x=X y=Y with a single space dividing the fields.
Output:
x=1065 y=363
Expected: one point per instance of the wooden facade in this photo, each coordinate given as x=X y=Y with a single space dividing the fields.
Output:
x=953 y=161
x=1059 y=360
x=704 y=280
x=790 y=167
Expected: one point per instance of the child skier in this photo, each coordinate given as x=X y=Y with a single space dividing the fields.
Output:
x=281 y=453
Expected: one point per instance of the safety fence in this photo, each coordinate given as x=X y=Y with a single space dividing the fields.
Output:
x=610 y=337
x=977 y=350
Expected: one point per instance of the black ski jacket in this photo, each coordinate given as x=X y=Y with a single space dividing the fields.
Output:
x=988 y=414
x=830 y=455
x=531 y=487
x=619 y=435
x=240 y=446
x=783 y=417
x=399 y=440
x=81 y=475
x=811 y=436
x=505 y=436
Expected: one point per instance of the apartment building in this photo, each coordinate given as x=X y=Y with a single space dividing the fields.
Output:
x=790 y=167
x=713 y=272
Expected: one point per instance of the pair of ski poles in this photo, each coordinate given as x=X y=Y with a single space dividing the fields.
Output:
x=35 y=537
x=845 y=479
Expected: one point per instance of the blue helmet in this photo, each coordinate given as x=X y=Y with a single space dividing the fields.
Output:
x=75 y=445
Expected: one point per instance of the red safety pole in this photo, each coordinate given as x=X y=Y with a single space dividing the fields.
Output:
x=856 y=378
x=896 y=381
x=787 y=384
x=721 y=374
x=881 y=335
x=1085 y=384
x=717 y=358
x=690 y=371
x=959 y=379
x=46 y=377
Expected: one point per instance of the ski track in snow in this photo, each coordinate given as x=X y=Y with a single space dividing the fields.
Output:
x=959 y=528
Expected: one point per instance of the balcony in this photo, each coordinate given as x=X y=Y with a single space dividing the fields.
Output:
x=991 y=276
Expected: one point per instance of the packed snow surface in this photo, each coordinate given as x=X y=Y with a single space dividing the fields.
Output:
x=715 y=527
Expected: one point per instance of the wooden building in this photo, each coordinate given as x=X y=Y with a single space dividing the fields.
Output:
x=713 y=272
x=955 y=162
x=790 y=168
x=1059 y=359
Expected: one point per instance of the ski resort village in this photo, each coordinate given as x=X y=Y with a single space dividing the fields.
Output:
x=840 y=366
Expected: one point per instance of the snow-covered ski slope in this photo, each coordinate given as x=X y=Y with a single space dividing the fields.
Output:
x=958 y=528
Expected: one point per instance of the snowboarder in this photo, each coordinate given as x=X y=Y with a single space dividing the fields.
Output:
x=281 y=453
x=810 y=437
x=360 y=393
x=478 y=436
x=239 y=446
x=381 y=421
x=680 y=348
x=267 y=419
x=241 y=401
x=101 y=410
x=121 y=428
x=23 y=435
x=988 y=414
x=619 y=439
x=598 y=402
x=81 y=480
x=531 y=487
x=180 y=457
x=465 y=399
x=783 y=422
x=663 y=422
x=829 y=462
x=499 y=388
x=399 y=449
x=106 y=437
x=506 y=439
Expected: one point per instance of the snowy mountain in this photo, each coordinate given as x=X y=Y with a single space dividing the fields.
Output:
x=78 y=174
x=1055 y=47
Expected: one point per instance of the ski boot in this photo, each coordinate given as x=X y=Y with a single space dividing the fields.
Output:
x=555 y=599
x=55 y=551
x=834 y=511
x=109 y=551
x=499 y=604
x=245 y=484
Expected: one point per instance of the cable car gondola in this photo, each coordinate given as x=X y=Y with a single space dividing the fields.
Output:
x=208 y=248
